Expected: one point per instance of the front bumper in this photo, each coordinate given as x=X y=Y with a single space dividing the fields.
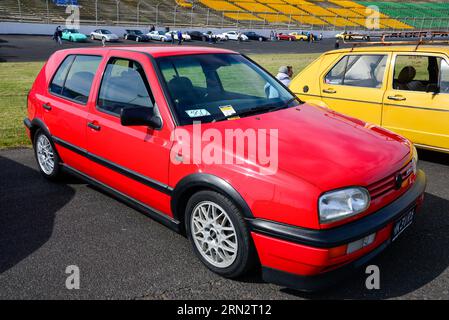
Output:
x=307 y=259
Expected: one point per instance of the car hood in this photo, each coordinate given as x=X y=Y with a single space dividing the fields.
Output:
x=325 y=148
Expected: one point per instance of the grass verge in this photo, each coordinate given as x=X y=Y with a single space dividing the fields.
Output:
x=17 y=79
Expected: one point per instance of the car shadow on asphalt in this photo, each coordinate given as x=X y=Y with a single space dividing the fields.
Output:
x=417 y=258
x=435 y=157
x=28 y=205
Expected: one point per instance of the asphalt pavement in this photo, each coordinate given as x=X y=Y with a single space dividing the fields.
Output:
x=122 y=254
x=23 y=48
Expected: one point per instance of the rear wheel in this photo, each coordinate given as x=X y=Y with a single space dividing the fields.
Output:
x=218 y=234
x=46 y=156
x=137 y=39
x=92 y=37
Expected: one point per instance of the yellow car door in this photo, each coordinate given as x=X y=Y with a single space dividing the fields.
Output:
x=355 y=85
x=416 y=103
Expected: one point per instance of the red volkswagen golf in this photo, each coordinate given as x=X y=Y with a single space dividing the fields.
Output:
x=209 y=144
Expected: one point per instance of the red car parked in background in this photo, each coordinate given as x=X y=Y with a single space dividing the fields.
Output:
x=283 y=36
x=339 y=192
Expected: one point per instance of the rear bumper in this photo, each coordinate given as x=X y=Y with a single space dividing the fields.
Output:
x=307 y=259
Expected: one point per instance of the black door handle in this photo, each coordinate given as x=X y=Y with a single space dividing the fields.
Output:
x=46 y=106
x=94 y=126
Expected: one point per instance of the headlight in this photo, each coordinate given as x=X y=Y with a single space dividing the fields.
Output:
x=415 y=160
x=344 y=203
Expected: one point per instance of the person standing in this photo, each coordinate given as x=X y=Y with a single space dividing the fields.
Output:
x=284 y=75
x=179 y=38
x=337 y=44
x=58 y=35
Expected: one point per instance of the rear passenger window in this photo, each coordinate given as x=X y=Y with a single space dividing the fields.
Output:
x=74 y=78
x=124 y=85
x=80 y=77
x=365 y=71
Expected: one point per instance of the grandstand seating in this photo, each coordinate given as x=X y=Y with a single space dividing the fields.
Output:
x=324 y=14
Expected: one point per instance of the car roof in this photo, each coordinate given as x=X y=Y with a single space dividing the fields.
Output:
x=153 y=50
x=396 y=48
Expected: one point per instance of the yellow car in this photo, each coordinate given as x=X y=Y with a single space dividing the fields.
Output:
x=402 y=88
x=299 y=36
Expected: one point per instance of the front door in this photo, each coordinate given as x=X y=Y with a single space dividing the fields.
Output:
x=416 y=103
x=133 y=160
x=355 y=86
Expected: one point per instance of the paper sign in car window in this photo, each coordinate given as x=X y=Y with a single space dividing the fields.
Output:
x=197 y=113
x=227 y=111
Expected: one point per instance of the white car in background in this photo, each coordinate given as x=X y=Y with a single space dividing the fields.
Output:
x=159 y=36
x=185 y=36
x=234 y=35
x=101 y=34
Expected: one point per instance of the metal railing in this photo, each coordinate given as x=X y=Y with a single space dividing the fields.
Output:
x=168 y=13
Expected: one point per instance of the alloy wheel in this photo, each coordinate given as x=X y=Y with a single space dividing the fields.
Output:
x=214 y=234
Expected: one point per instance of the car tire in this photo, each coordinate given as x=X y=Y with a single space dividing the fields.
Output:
x=126 y=37
x=92 y=37
x=71 y=39
x=231 y=250
x=137 y=39
x=226 y=38
x=46 y=156
x=103 y=39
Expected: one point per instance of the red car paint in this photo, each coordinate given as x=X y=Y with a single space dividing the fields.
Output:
x=319 y=151
x=282 y=36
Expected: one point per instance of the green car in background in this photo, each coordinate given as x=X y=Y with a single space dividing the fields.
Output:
x=73 y=35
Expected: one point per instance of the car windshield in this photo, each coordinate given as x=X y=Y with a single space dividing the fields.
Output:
x=161 y=33
x=216 y=87
x=105 y=31
x=137 y=32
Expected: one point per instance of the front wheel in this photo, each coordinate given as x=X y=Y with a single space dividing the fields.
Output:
x=218 y=234
x=92 y=37
x=46 y=156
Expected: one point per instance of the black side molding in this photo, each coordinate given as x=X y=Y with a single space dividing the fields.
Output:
x=115 y=167
x=347 y=233
x=152 y=213
x=27 y=123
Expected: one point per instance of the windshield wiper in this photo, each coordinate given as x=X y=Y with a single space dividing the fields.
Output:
x=258 y=110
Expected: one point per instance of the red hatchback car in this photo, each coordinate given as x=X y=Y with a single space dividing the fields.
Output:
x=178 y=133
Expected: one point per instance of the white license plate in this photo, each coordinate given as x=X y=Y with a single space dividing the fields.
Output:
x=402 y=223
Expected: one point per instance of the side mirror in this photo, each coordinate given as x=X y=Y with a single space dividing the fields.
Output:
x=140 y=116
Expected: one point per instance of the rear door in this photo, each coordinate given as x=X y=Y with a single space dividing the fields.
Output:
x=416 y=103
x=66 y=105
x=132 y=160
x=355 y=85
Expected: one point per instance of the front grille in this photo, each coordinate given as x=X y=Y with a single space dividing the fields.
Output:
x=388 y=184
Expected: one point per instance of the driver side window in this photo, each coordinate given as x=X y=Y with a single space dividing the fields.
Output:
x=124 y=85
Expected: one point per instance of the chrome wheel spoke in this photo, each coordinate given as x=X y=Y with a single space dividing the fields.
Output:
x=214 y=234
x=45 y=155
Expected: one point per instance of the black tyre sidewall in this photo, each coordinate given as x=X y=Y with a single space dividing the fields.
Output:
x=245 y=252
x=57 y=168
